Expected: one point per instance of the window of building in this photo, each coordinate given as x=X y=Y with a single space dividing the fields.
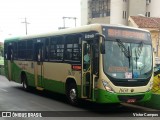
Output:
x=148 y=1
x=124 y=15
x=148 y=14
x=99 y=8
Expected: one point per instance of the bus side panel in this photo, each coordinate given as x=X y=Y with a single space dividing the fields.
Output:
x=55 y=75
x=28 y=67
x=30 y=79
x=18 y=67
x=16 y=72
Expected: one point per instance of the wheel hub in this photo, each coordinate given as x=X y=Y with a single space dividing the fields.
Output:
x=73 y=94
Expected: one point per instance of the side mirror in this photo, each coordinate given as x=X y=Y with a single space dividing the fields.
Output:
x=102 y=45
x=102 y=48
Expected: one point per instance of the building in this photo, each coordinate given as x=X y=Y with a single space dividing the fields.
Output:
x=153 y=25
x=117 y=11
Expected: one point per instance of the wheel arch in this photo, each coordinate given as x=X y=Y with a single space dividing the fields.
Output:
x=22 y=75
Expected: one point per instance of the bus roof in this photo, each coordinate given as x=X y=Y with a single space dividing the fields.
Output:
x=85 y=28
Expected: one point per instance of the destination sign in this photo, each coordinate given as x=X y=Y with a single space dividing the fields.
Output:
x=127 y=34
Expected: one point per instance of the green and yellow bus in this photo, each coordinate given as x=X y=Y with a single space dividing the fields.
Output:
x=99 y=63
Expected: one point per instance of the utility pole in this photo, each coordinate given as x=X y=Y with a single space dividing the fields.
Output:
x=26 y=23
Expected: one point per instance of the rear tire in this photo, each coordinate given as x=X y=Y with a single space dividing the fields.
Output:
x=24 y=83
x=72 y=94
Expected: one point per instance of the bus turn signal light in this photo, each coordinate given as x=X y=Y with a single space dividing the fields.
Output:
x=76 y=67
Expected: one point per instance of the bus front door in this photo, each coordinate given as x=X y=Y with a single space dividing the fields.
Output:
x=39 y=66
x=86 y=84
x=10 y=61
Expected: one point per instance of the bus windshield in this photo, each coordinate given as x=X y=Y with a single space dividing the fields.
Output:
x=124 y=60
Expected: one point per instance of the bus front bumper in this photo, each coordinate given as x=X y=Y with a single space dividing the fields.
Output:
x=102 y=96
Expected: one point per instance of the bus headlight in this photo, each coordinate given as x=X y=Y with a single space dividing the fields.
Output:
x=107 y=86
x=151 y=85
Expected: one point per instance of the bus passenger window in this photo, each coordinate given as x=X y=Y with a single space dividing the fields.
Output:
x=47 y=49
x=73 y=52
x=56 y=48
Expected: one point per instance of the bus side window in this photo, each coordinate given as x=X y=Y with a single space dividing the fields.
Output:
x=22 y=50
x=73 y=48
x=15 y=52
x=10 y=52
x=29 y=53
x=56 y=48
x=46 y=49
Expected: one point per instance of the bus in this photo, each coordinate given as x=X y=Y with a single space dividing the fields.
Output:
x=98 y=63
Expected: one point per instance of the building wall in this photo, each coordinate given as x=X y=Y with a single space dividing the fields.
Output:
x=117 y=7
x=84 y=12
x=154 y=36
x=154 y=8
x=137 y=7
x=119 y=12
x=102 y=20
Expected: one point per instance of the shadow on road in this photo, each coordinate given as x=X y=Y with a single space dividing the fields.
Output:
x=96 y=108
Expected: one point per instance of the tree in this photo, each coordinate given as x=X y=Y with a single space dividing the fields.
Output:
x=1 y=50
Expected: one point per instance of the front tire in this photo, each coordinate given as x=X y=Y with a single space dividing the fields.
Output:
x=72 y=94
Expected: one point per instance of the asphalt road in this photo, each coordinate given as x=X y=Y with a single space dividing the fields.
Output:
x=14 y=98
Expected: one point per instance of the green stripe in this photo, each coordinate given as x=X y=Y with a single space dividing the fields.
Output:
x=102 y=96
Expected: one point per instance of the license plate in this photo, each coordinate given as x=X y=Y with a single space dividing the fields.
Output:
x=131 y=100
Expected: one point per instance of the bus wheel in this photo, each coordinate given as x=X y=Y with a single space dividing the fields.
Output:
x=72 y=94
x=24 y=83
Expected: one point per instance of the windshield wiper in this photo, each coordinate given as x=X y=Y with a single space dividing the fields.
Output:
x=124 y=50
x=138 y=51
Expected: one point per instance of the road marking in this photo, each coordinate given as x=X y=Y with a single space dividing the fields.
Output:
x=3 y=90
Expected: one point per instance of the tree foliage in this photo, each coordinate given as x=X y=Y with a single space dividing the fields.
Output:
x=1 y=50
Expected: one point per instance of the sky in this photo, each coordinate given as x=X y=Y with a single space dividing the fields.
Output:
x=42 y=16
